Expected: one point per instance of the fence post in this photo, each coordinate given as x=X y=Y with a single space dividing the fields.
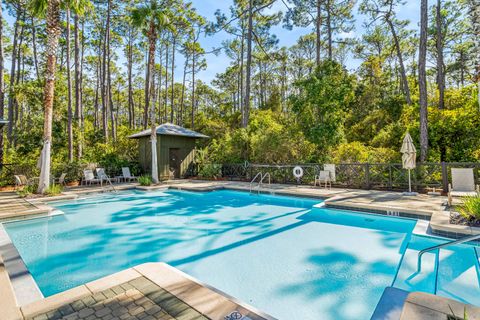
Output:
x=444 y=177
x=367 y=176
x=390 y=178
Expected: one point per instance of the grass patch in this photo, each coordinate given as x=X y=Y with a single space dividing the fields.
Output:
x=54 y=190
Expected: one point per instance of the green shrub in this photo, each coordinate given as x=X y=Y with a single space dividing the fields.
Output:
x=145 y=180
x=74 y=170
x=27 y=190
x=54 y=189
x=210 y=171
x=470 y=208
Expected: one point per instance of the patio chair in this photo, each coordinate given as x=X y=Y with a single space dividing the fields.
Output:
x=323 y=177
x=330 y=167
x=60 y=180
x=89 y=177
x=463 y=184
x=103 y=176
x=127 y=176
x=22 y=181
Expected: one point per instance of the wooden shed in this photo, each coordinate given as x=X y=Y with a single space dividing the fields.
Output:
x=175 y=149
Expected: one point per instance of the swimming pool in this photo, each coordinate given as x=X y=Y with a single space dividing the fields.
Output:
x=279 y=254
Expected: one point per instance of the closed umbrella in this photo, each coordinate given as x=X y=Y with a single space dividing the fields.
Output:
x=409 y=156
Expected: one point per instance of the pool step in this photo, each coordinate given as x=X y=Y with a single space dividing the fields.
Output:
x=390 y=305
x=452 y=272
x=408 y=278
x=459 y=275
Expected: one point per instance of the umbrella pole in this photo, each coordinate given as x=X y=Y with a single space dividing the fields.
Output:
x=409 y=182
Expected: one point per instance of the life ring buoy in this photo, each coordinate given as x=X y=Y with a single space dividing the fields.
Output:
x=298 y=172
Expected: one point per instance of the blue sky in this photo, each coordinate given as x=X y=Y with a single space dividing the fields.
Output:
x=217 y=64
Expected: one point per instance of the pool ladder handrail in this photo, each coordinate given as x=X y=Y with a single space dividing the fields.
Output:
x=107 y=178
x=260 y=182
x=443 y=245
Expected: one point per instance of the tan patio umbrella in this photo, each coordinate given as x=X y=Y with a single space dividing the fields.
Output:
x=409 y=156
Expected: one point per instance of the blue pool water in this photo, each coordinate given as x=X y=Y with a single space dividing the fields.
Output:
x=279 y=254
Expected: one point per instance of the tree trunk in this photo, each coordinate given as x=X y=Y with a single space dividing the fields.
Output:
x=34 y=45
x=192 y=118
x=403 y=73
x=104 y=78
x=242 y=58
x=318 y=27
x=152 y=38
x=475 y=17
x=13 y=68
x=147 y=94
x=166 y=82
x=2 y=85
x=53 y=33
x=172 y=85
x=109 y=85
x=159 y=93
x=246 y=111
x=422 y=81
x=440 y=65
x=329 y=30
x=78 y=84
x=105 y=67
x=69 y=90
x=96 y=116
x=180 y=115
x=129 y=76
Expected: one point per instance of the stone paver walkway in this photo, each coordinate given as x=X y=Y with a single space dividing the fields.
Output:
x=137 y=299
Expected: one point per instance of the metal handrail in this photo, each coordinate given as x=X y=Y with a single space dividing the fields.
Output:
x=263 y=177
x=255 y=178
x=447 y=244
x=107 y=178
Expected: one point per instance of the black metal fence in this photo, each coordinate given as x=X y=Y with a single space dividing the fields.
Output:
x=380 y=176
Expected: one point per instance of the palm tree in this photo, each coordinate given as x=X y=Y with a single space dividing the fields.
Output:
x=53 y=33
x=151 y=18
x=51 y=10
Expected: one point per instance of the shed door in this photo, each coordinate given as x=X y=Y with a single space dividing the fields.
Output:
x=174 y=161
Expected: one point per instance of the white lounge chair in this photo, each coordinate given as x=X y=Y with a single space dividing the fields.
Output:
x=60 y=180
x=323 y=177
x=89 y=178
x=103 y=176
x=330 y=167
x=127 y=176
x=463 y=184
x=22 y=181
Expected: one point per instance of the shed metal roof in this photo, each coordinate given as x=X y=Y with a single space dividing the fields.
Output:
x=169 y=129
x=3 y=122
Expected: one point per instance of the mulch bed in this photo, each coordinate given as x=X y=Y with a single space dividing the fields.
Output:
x=456 y=218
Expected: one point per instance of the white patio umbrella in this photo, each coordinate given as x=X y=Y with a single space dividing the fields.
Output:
x=409 y=156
